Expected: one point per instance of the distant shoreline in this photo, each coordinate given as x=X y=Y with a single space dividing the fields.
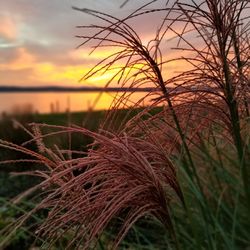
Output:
x=40 y=89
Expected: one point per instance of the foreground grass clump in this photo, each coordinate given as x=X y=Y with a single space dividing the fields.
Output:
x=184 y=167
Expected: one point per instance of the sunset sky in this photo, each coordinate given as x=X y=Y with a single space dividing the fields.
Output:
x=38 y=43
x=37 y=39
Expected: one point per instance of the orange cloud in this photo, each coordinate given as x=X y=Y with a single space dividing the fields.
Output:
x=24 y=60
x=8 y=27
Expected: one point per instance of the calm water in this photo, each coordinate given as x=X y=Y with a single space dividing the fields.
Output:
x=57 y=102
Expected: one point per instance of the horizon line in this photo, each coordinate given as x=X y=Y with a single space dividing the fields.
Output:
x=32 y=89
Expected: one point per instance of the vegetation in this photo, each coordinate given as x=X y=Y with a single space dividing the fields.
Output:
x=175 y=177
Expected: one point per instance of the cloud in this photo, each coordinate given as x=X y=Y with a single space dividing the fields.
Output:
x=8 y=27
x=22 y=60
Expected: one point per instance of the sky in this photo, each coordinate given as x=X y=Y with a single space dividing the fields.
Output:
x=38 y=40
x=38 y=43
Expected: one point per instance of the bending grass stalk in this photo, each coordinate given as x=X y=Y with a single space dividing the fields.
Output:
x=187 y=163
x=230 y=89
x=204 y=206
x=236 y=129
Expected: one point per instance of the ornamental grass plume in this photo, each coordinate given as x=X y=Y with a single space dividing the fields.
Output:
x=143 y=65
x=212 y=92
x=121 y=177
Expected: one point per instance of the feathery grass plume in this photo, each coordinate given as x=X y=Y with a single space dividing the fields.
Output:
x=215 y=89
x=122 y=177
x=38 y=136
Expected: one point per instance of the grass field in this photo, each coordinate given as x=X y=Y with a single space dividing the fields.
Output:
x=173 y=174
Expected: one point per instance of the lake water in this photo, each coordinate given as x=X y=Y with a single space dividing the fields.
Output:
x=56 y=102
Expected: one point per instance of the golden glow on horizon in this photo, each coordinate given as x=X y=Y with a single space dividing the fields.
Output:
x=63 y=75
x=49 y=73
